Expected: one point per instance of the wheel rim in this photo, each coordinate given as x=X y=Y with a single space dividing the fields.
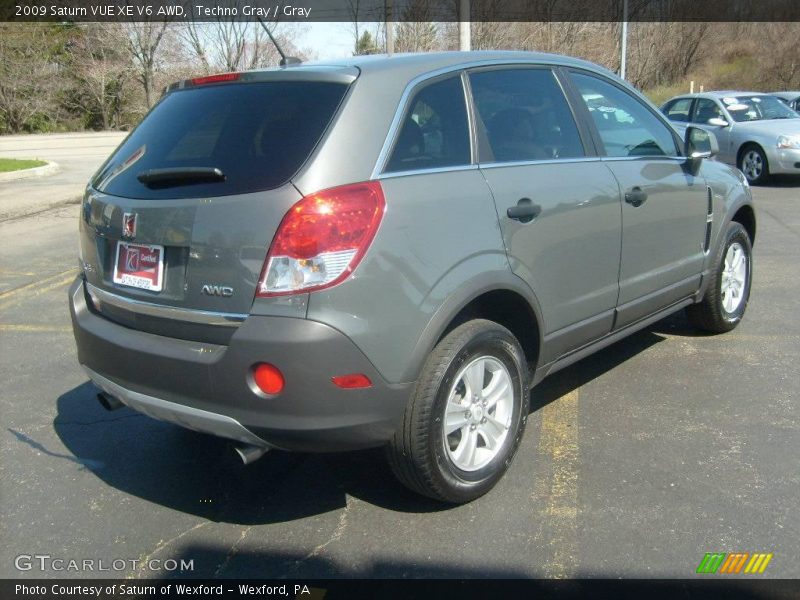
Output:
x=734 y=277
x=478 y=413
x=753 y=164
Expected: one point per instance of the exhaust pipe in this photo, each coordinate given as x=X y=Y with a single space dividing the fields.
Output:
x=249 y=453
x=108 y=401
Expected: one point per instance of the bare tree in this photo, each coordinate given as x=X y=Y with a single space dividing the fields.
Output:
x=237 y=46
x=101 y=69
x=28 y=73
x=417 y=31
x=781 y=63
x=144 y=40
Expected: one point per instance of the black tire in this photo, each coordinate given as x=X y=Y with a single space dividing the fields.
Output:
x=711 y=314
x=417 y=453
x=752 y=178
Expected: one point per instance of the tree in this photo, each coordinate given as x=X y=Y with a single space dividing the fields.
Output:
x=416 y=32
x=29 y=73
x=102 y=70
x=238 y=45
x=366 y=44
x=143 y=41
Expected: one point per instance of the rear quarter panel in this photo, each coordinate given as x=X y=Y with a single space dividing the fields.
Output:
x=439 y=233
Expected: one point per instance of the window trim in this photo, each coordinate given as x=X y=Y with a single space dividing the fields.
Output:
x=589 y=150
x=596 y=134
x=417 y=85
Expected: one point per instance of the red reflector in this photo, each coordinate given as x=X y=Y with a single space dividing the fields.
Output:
x=353 y=380
x=268 y=378
x=216 y=78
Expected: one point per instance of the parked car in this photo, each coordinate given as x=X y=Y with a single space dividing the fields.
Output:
x=393 y=251
x=756 y=132
x=791 y=99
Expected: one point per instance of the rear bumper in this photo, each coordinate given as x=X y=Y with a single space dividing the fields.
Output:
x=206 y=387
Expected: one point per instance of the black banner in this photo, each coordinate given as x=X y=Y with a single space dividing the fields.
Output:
x=383 y=589
x=398 y=10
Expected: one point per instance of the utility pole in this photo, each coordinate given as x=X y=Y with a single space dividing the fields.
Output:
x=624 y=39
x=389 y=28
x=464 y=30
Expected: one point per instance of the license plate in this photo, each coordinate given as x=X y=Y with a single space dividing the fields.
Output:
x=140 y=266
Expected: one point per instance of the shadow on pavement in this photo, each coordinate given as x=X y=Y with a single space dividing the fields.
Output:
x=440 y=580
x=201 y=475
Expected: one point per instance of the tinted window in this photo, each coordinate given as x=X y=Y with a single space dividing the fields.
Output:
x=706 y=109
x=678 y=110
x=625 y=125
x=257 y=134
x=525 y=115
x=435 y=132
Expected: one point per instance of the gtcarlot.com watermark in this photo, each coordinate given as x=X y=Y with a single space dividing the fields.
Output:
x=46 y=562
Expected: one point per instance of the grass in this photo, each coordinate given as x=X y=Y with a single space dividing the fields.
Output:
x=13 y=164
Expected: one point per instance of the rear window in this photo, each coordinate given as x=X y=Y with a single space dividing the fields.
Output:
x=257 y=134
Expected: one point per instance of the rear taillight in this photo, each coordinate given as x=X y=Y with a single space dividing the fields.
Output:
x=322 y=239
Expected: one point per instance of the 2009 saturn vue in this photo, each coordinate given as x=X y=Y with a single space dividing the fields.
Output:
x=390 y=251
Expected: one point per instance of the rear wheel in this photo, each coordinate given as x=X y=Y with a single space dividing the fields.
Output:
x=729 y=290
x=465 y=420
x=753 y=163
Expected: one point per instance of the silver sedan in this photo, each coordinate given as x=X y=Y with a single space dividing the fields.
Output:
x=756 y=132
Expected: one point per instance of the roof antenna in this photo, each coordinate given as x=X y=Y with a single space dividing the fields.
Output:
x=285 y=60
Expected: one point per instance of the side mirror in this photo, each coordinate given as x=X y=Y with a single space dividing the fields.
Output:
x=699 y=143
x=717 y=122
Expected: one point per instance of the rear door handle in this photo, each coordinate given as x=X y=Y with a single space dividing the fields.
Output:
x=525 y=211
x=635 y=196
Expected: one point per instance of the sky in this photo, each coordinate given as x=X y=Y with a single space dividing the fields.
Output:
x=328 y=40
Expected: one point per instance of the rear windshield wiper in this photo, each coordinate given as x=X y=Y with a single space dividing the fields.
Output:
x=180 y=176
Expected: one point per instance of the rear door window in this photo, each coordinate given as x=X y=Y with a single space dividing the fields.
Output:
x=258 y=134
x=706 y=109
x=524 y=116
x=678 y=110
x=435 y=130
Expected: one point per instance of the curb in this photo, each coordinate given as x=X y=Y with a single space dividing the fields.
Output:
x=32 y=212
x=49 y=169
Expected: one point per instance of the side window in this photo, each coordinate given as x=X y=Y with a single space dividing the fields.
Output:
x=625 y=125
x=678 y=110
x=706 y=109
x=525 y=115
x=435 y=130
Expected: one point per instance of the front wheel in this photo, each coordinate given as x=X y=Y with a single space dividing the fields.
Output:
x=753 y=163
x=466 y=417
x=729 y=290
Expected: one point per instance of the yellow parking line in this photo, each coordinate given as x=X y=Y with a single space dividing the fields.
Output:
x=35 y=328
x=558 y=440
x=37 y=288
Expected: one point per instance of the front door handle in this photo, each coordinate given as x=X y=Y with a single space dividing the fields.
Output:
x=525 y=211
x=636 y=196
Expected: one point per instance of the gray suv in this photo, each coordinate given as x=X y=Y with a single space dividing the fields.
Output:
x=393 y=251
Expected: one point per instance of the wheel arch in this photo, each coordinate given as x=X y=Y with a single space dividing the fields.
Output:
x=748 y=144
x=501 y=297
x=746 y=216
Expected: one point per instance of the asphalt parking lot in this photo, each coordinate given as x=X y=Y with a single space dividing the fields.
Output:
x=636 y=461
